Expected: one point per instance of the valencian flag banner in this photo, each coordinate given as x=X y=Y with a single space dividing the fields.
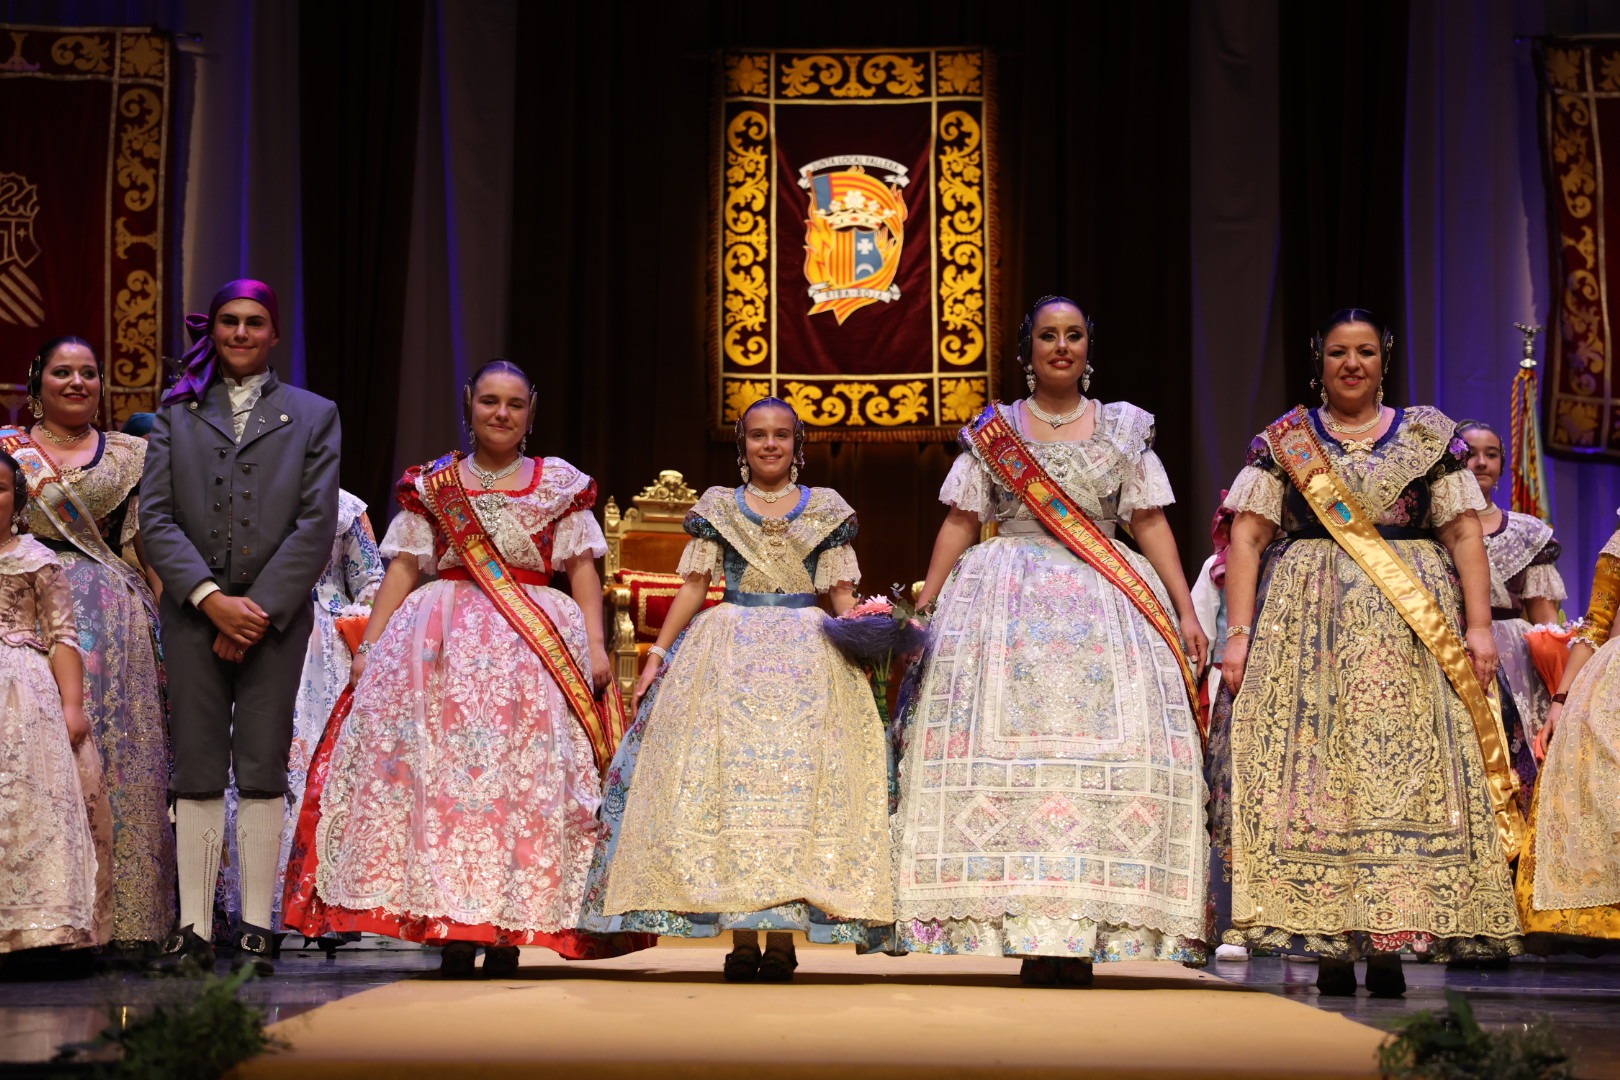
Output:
x=1580 y=125
x=853 y=239
x=83 y=188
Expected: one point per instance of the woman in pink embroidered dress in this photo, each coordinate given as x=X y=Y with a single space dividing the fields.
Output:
x=456 y=803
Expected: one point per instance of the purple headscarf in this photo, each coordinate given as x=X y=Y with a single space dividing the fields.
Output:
x=201 y=360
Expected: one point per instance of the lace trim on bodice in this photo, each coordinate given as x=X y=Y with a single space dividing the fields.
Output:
x=102 y=486
x=1110 y=475
x=776 y=553
x=26 y=556
x=1510 y=550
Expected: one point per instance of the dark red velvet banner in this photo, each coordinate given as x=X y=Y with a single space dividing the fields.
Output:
x=83 y=168
x=853 y=240
x=1580 y=120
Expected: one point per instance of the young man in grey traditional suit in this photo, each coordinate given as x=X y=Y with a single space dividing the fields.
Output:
x=238 y=509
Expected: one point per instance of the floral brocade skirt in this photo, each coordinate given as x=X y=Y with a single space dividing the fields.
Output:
x=124 y=702
x=752 y=791
x=1051 y=794
x=1359 y=819
x=456 y=799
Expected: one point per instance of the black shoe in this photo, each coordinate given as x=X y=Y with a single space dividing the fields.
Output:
x=184 y=953
x=1385 y=978
x=1336 y=978
x=777 y=965
x=742 y=964
x=1038 y=971
x=255 y=948
x=1074 y=971
x=500 y=961
x=456 y=961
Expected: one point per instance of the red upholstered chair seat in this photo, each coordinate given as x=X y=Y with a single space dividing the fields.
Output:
x=651 y=594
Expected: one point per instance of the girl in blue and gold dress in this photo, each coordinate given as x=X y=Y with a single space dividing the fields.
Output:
x=751 y=793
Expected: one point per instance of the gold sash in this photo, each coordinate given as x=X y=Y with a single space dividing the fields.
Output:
x=1295 y=447
x=1001 y=448
x=49 y=489
x=603 y=720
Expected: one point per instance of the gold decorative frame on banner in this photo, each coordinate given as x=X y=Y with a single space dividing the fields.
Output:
x=138 y=62
x=1580 y=118
x=824 y=290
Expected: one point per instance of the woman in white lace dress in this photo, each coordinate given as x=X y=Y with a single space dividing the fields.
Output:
x=456 y=803
x=1051 y=793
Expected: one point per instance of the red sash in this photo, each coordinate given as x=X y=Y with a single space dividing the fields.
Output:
x=1015 y=466
x=604 y=721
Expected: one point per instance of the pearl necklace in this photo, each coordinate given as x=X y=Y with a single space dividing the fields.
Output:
x=1054 y=420
x=1334 y=425
x=489 y=478
x=70 y=440
x=771 y=498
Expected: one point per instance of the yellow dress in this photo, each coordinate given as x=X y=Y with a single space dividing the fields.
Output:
x=1569 y=878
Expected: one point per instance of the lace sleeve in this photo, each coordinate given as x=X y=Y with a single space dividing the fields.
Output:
x=55 y=598
x=703 y=556
x=967 y=487
x=1147 y=488
x=577 y=534
x=1256 y=491
x=1543 y=580
x=132 y=520
x=837 y=564
x=409 y=534
x=1452 y=494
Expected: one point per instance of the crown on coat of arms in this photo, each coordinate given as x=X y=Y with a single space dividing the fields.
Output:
x=854 y=210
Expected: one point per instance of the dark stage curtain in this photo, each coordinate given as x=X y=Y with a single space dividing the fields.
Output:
x=1342 y=143
x=610 y=264
x=359 y=70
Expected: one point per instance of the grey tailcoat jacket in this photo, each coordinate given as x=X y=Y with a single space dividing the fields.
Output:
x=255 y=517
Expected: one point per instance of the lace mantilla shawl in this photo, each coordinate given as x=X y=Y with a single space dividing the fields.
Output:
x=105 y=487
x=1522 y=553
x=349 y=507
x=1422 y=449
x=1111 y=475
x=535 y=528
x=1613 y=545
x=772 y=553
x=35 y=597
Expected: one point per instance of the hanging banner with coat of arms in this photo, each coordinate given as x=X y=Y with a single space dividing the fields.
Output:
x=83 y=191
x=853 y=240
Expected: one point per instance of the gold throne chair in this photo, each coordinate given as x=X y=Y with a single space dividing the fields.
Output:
x=644 y=547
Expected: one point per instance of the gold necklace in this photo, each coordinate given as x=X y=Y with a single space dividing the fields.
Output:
x=771 y=498
x=1334 y=425
x=70 y=440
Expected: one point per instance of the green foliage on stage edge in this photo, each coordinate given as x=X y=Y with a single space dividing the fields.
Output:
x=1452 y=1046
x=201 y=1038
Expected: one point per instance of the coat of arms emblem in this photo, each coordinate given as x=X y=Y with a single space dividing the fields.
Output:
x=21 y=301
x=854 y=233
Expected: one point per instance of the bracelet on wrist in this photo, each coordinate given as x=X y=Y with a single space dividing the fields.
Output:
x=658 y=651
x=1560 y=698
x=364 y=647
x=1239 y=631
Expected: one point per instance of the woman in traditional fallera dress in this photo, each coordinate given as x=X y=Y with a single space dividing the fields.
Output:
x=86 y=509
x=55 y=828
x=1526 y=590
x=1569 y=882
x=751 y=793
x=1368 y=781
x=456 y=801
x=345 y=590
x=1051 y=798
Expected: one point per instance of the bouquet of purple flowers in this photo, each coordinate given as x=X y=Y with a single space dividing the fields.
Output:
x=873 y=633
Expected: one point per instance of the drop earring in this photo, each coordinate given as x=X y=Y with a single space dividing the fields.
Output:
x=793 y=474
x=1380 y=397
x=35 y=407
x=1085 y=379
x=747 y=476
x=1029 y=377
